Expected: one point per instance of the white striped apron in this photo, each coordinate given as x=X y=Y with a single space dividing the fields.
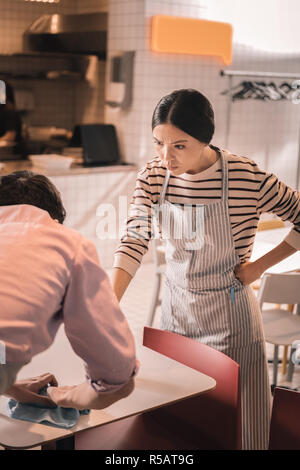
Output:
x=204 y=300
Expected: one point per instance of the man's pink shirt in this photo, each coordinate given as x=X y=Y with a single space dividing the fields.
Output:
x=49 y=275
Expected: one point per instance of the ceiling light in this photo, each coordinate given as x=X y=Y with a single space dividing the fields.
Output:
x=43 y=1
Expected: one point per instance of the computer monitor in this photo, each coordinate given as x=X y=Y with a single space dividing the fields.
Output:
x=99 y=144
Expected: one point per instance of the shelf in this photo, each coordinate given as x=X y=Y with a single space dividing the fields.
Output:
x=6 y=76
x=53 y=55
x=12 y=67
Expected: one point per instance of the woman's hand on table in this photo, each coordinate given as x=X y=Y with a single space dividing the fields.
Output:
x=27 y=390
x=248 y=272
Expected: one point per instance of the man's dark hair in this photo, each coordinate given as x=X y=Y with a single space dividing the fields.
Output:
x=25 y=187
x=188 y=110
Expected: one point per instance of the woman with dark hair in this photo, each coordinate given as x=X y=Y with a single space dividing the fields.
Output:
x=218 y=198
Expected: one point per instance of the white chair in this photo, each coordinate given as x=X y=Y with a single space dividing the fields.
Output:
x=281 y=327
x=160 y=266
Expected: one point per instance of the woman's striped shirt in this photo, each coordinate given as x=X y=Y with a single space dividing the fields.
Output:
x=251 y=191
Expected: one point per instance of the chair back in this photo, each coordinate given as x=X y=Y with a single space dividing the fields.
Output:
x=215 y=417
x=285 y=420
x=279 y=288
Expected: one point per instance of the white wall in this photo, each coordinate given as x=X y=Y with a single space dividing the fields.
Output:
x=266 y=25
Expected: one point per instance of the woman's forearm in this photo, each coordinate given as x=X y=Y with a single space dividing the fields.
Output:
x=120 y=281
x=279 y=253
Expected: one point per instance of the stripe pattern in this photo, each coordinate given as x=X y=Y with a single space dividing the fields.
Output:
x=251 y=191
x=203 y=299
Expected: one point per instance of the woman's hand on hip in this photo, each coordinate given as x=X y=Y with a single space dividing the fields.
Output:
x=248 y=272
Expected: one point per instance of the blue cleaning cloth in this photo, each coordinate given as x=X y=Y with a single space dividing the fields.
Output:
x=58 y=417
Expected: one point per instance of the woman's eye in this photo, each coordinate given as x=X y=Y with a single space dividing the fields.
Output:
x=180 y=147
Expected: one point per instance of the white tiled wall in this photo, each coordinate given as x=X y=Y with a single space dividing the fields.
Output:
x=84 y=193
x=157 y=74
x=266 y=132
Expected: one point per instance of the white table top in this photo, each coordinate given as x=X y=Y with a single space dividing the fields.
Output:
x=160 y=381
x=266 y=240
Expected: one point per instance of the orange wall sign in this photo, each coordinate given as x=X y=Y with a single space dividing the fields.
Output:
x=179 y=35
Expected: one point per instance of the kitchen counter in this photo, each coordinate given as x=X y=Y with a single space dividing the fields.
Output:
x=75 y=169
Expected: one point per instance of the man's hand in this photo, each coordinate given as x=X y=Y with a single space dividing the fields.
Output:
x=76 y=396
x=83 y=396
x=248 y=272
x=27 y=390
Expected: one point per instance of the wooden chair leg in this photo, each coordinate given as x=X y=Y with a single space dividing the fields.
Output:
x=290 y=308
x=275 y=365
x=291 y=366
x=284 y=359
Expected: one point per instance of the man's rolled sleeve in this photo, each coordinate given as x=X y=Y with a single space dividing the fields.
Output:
x=95 y=325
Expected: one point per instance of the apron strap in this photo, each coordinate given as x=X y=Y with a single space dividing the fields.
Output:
x=224 y=176
x=224 y=165
x=164 y=188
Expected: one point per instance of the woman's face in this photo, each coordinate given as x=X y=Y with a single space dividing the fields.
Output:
x=180 y=152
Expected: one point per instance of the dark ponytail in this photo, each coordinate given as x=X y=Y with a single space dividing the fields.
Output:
x=188 y=110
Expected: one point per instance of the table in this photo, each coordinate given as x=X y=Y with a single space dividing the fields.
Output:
x=266 y=240
x=160 y=382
